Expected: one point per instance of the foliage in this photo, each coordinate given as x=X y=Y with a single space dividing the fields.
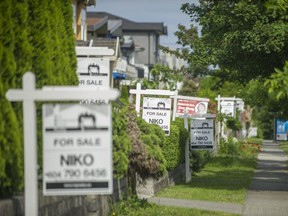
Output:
x=154 y=138
x=124 y=96
x=146 y=157
x=129 y=205
x=233 y=123
x=174 y=147
x=189 y=87
x=10 y=143
x=149 y=84
x=244 y=149
x=278 y=83
x=169 y=77
x=31 y=39
x=198 y=159
x=229 y=147
x=242 y=40
x=122 y=144
x=263 y=121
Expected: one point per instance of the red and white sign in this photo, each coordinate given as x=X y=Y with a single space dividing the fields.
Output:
x=192 y=107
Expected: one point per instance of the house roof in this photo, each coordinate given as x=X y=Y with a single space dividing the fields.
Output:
x=96 y=22
x=128 y=25
x=99 y=42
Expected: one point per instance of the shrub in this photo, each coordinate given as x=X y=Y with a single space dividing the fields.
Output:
x=122 y=144
x=243 y=149
x=198 y=159
x=174 y=147
x=229 y=147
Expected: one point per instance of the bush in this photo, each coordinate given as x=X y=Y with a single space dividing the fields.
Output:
x=122 y=144
x=229 y=147
x=243 y=149
x=198 y=159
x=174 y=147
x=128 y=205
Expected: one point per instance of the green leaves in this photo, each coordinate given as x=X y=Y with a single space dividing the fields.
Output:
x=34 y=36
x=242 y=40
x=278 y=82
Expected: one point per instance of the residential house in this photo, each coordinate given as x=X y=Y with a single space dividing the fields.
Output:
x=79 y=17
x=139 y=40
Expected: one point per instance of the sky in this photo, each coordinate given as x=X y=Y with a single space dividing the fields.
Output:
x=166 y=11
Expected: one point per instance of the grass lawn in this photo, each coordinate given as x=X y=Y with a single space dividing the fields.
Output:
x=155 y=210
x=224 y=179
x=284 y=146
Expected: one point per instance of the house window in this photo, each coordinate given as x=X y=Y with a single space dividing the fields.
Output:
x=74 y=18
x=83 y=25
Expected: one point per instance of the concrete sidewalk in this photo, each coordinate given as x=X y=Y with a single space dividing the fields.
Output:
x=268 y=193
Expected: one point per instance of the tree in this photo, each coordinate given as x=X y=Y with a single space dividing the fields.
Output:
x=31 y=39
x=242 y=40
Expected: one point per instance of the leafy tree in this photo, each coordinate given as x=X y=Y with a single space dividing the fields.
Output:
x=166 y=76
x=241 y=39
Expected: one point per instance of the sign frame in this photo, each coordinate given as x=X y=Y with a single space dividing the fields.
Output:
x=77 y=149
x=202 y=134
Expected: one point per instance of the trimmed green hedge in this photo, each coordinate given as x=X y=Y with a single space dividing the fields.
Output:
x=31 y=40
x=174 y=148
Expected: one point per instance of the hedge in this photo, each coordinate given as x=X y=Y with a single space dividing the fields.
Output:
x=174 y=147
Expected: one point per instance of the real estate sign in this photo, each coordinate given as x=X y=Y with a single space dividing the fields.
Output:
x=192 y=107
x=94 y=73
x=77 y=149
x=201 y=134
x=157 y=111
x=228 y=107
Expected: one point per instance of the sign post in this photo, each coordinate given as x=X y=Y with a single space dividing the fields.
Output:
x=28 y=95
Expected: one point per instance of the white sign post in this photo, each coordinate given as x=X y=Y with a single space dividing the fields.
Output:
x=77 y=149
x=28 y=95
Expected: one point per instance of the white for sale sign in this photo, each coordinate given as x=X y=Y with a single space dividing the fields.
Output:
x=94 y=73
x=77 y=149
x=228 y=107
x=157 y=111
x=201 y=134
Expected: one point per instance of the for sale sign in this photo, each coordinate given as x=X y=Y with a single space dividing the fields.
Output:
x=228 y=107
x=93 y=73
x=157 y=111
x=77 y=149
x=201 y=134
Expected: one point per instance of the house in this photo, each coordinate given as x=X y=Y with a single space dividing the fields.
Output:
x=139 y=40
x=79 y=8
